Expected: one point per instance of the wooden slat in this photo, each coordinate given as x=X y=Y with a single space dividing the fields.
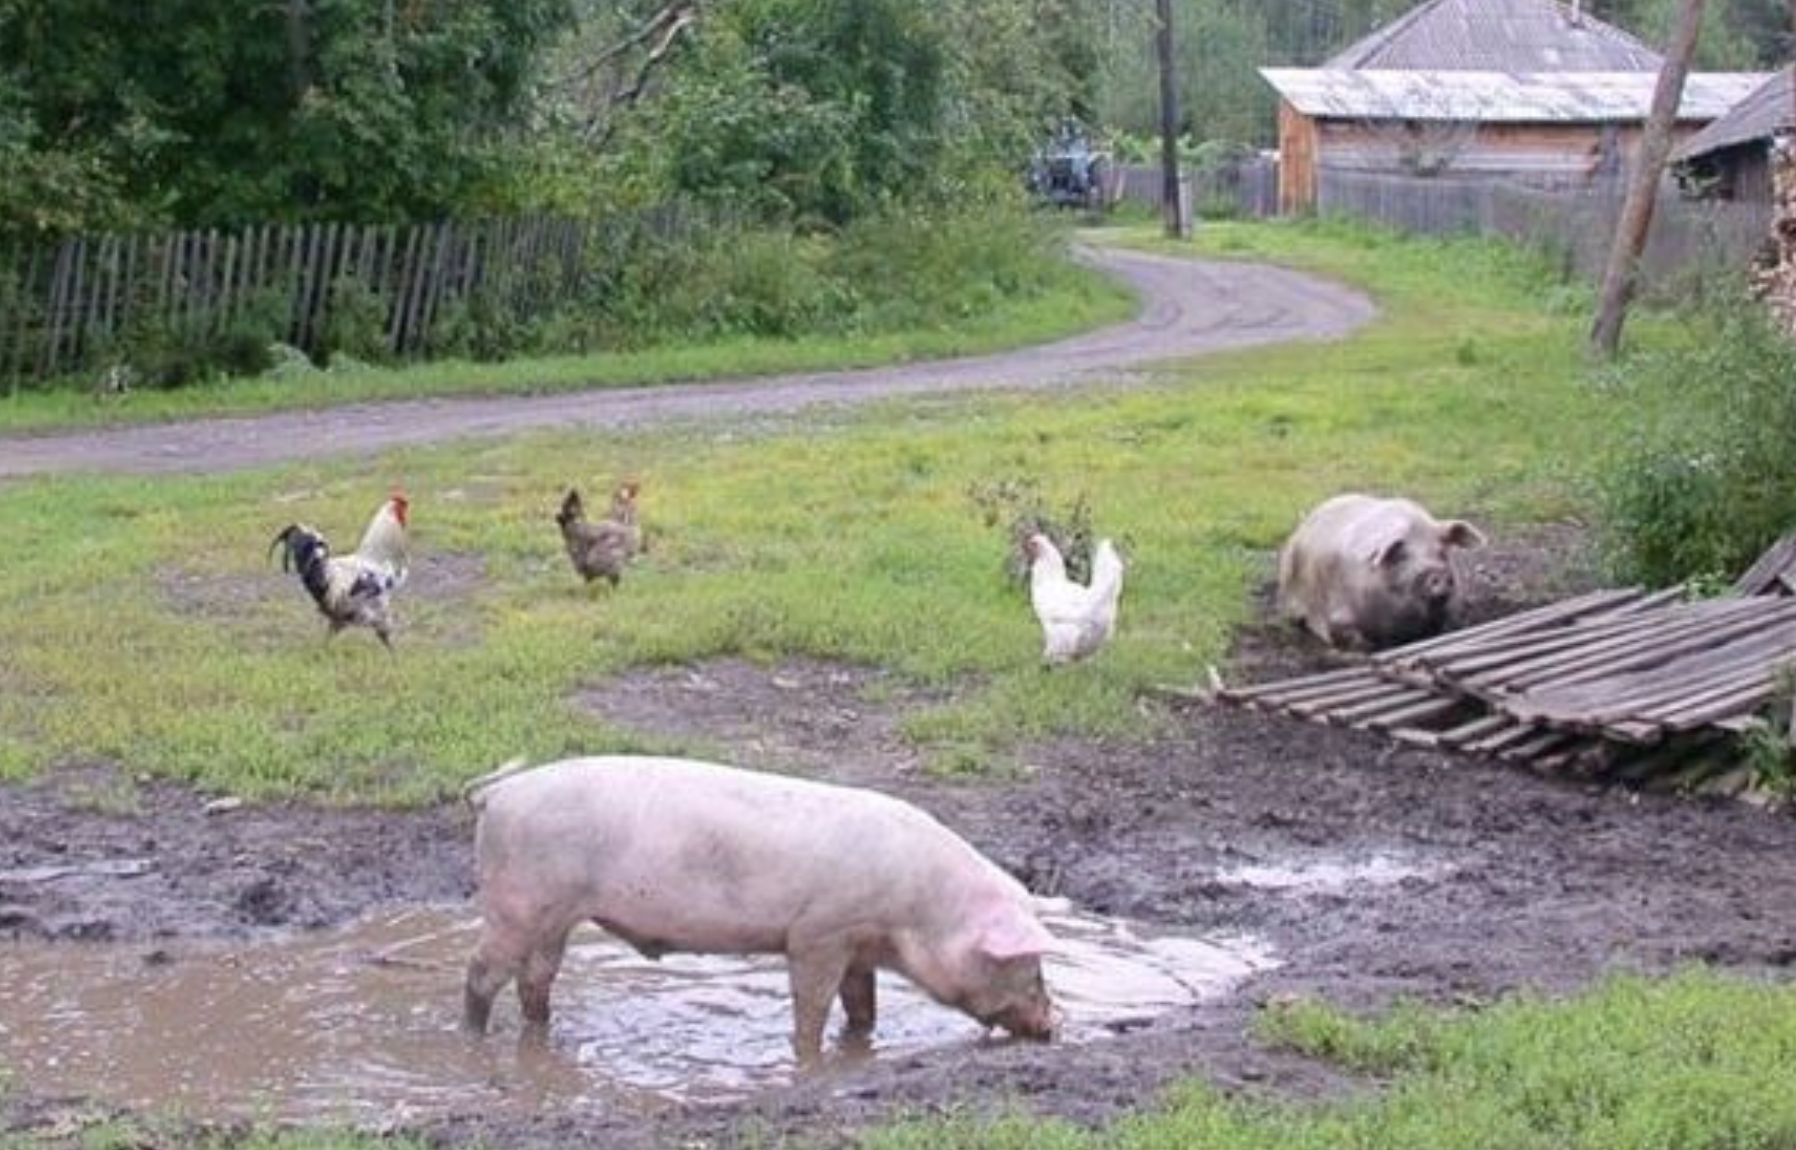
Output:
x=1485 y=633
x=1285 y=687
x=1618 y=655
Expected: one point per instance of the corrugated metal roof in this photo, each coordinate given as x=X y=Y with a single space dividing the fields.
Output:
x=1499 y=36
x=1501 y=97
x=1765 y=112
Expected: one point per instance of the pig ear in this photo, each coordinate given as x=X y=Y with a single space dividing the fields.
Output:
x=1459 y=533
x=1390 y=554
x=1015 y=936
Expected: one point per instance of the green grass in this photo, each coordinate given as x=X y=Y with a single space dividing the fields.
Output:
x=1633 y=1064
x=1079 y=300
x=148 y=626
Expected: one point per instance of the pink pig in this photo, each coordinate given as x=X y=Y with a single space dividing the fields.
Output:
x=672 y=855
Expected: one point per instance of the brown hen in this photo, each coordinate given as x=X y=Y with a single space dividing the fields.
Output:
x=601 y=549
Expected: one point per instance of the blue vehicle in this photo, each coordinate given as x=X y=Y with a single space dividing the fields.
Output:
x=1068 y=172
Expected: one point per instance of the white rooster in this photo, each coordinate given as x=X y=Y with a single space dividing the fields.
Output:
x=1075 y=620
x=353 y=589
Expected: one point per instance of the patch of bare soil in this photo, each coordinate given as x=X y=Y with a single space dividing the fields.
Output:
x=1509 y=881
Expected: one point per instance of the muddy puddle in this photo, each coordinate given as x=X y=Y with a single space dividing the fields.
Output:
x=1330 y=875
x=360 y=1025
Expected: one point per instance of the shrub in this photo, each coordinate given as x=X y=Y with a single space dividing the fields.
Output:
x=172 y=350
x=1017 y=506
x=1700 y=477
x=918 y=269
x=355 y=323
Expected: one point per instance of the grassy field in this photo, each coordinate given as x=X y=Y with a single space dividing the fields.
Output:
x=150 y=628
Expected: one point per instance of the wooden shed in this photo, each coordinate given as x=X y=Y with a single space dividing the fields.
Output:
x=1536 y=90
x=1731 y=158
x=1545 y=129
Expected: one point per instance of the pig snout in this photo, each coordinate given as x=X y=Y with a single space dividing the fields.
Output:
x=1435 y=586
x=1015 y=999
x=1037 y=1020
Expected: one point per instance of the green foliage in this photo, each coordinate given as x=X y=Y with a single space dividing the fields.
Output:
x=730 y=281
x=1696 y=478
x=1770 y=755
x=1017 y=505
x=355 y=323
x=901 y=268
x=215 y=115
x=912 y=268
x=169 y=350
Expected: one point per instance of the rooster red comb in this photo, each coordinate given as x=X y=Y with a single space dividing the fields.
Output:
x=401 y=504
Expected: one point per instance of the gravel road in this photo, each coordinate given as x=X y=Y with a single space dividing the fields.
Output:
x=1188 y=307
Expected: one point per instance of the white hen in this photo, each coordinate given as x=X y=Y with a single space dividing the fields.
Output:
x=1075 y=620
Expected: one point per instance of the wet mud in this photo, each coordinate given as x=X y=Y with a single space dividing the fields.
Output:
x=359 y=1023
x=1369 y=871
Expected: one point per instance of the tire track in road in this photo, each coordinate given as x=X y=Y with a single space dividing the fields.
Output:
x=1188 y=307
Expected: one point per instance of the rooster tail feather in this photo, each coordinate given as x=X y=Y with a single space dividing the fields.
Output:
x=573 y=510
x=307 y=553
x=284 y=542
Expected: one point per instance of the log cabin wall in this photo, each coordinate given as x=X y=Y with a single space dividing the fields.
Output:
x=1543 y=155
x=1296 y=161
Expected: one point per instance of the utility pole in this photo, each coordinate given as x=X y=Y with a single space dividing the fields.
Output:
x=1169 y=123
x=1637 y=210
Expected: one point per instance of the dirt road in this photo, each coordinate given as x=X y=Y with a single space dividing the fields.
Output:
x=1187 y=307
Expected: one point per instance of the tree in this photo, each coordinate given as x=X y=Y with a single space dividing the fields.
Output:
x=1637 y=210
x=822 y=110
x=220 y=114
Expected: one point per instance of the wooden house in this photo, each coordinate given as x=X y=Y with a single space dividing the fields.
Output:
x=1731 y=158
x=1530 y=90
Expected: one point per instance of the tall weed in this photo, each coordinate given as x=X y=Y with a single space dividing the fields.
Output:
x=1697 y=476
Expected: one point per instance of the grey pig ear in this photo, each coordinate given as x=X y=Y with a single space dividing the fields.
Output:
x=1390 y=554
x=1459 y=533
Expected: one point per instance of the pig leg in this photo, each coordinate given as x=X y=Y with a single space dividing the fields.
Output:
x=816 y=972
x=488 y=971
x=858 y=1000
x=541 y=966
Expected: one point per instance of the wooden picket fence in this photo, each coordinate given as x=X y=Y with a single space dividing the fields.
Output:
x=63 y=305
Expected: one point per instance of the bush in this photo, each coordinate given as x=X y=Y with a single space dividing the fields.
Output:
x=355 y=323
x=1017 y=506
x=1700 y=478
x=169 y=351
x=916 y=269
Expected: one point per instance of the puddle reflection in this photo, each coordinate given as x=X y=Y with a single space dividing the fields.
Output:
x=362 y=1024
